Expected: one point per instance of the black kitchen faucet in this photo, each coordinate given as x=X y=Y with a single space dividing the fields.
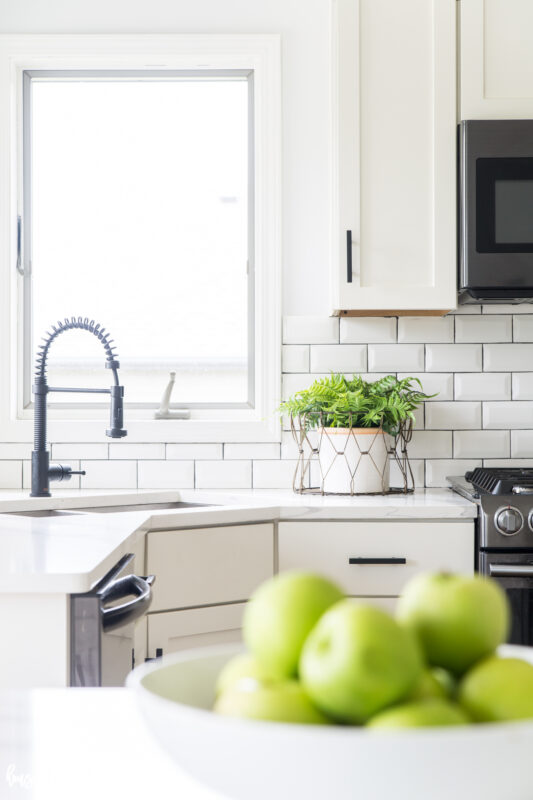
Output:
x=42 y=472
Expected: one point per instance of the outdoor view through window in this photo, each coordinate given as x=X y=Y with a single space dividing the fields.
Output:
x=140 y=220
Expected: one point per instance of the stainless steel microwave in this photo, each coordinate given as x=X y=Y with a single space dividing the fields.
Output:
x=496 y=211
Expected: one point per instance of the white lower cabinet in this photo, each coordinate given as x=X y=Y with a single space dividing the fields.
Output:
x=208 y=566
x=171 y=631
x=376 y=559
x=203 y=578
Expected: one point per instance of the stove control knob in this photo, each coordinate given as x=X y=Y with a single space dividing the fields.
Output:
x=508 y=520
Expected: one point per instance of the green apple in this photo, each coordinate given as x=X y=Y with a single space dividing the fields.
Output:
x=422 y=713
x=277 y=701
x=458 y=619
x=244 y=665
x=429 y=686
x=280 y=615
x=498 y=689
x=357 y=661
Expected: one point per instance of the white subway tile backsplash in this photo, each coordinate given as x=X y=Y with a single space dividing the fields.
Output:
x=508 y=462
x=439 y=383
x=190 y=452
x=338 y=358
x=395 y=357
x=129 y=450
x=266 y=450
x=273 y=474
x=438 y=470
x=520 y=308
x=109 y=475
x=10 y=474
x=417 y=468
x=295 y=358
x=484 y=328
x=466 y=309
x=483 y=386
x=522 y=386
x=310 y=330
x=166 y=475
x=223 y=474
x=425 y=329
x=522 y=444
x=511 y=415
x=523 y=328
x=10 y=451
x=481 y=444
x=507 y=357
x=482 y=412
x=453 y=357
x=453 y=416
x=77 y=451
x=367 y=330
x=430 y=444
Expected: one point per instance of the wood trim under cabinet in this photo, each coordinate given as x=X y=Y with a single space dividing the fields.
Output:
x=360 y=312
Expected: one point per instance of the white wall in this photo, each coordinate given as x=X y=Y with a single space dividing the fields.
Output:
x=305 y=29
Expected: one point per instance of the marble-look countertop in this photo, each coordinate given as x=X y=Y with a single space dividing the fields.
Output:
x=88 y=744
x=69 y=553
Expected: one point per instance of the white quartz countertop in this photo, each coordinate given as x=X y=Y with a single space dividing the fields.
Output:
x=69 y=553
x=88 y=744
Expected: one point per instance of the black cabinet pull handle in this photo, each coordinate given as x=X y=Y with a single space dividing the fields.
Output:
x=349 y=256
x=377 y=561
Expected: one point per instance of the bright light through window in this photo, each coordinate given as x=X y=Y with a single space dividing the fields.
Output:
x=140 y=220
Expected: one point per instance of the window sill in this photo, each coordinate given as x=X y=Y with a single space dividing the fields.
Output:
x=243 y=427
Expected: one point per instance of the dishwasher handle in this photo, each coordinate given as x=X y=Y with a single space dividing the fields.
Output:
x=139 y=587
x=511 y=570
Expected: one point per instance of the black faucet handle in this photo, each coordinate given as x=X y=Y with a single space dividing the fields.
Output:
x=61 y=472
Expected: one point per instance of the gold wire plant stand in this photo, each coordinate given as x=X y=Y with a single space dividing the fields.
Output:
x=311 y=435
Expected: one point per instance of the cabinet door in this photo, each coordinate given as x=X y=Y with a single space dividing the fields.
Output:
x=376 y=559
x=205 y=566
x=395 y=161
x=195 y=627
x=496 y=59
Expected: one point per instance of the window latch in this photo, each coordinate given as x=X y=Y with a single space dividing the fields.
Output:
x=20 y=268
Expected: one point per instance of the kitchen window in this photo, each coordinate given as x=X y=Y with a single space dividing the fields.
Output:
x=147 y=201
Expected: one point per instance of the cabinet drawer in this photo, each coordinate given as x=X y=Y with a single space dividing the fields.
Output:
x=195 y=627
x=205 y=566
x=327 y=548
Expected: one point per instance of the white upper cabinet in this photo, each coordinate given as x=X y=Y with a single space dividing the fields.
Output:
x=394 y=165
x=496 y=59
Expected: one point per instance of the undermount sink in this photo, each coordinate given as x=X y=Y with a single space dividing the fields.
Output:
x=144 y=507
x=58 y=512
x=43 y=512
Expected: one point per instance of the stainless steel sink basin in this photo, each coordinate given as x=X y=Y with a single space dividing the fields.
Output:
x=144 y=507
x=43 y=512
x=58 y=512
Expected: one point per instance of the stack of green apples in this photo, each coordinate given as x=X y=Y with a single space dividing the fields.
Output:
x=316 y=657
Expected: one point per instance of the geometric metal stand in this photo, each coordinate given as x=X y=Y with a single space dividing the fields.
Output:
x=310 y=436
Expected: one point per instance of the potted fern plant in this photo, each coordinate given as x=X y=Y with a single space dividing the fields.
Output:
x=356 y=423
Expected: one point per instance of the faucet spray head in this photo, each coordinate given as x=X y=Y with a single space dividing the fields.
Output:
x=116 y=413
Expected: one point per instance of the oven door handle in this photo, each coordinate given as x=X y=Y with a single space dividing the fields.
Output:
x=511 y=570
x=140 y=588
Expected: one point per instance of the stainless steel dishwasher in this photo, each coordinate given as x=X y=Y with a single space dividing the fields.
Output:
x=102 y=626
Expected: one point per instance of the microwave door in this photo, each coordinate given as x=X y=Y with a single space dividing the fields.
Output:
x=496 y=221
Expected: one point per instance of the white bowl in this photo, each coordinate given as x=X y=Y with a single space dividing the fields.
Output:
x=253 y=760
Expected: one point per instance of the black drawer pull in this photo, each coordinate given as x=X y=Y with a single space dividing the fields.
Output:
x=377 y=561
x=349 y=256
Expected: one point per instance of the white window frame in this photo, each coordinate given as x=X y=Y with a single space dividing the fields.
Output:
x=259 y=53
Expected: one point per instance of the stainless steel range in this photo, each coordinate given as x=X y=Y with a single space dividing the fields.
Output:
x=504 y=537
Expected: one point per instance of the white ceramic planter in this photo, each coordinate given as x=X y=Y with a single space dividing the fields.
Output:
x=354 y=460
